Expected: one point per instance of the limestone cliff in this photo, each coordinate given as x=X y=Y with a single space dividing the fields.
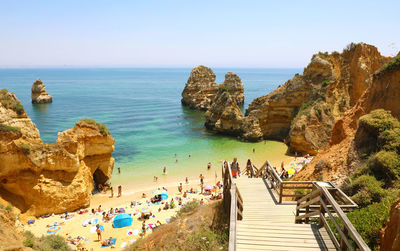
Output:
x=10 y=236
x=224 y=114
x=40 y=178
x=390 y=234
x=304 y=110
x=200 y=90
x=343 y=154
x=39 y=94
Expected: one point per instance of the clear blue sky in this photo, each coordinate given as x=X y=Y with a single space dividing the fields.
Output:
x=186 y=33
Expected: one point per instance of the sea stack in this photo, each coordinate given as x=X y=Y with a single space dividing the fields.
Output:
x=201 y=90
x=39 y=94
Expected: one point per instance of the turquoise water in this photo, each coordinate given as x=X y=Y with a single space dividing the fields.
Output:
x=142 y=109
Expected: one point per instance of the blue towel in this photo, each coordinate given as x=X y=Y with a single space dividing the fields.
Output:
x=113 y=241
x=31 y=222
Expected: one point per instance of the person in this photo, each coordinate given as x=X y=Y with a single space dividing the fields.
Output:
x=106 y=242
x=201 y=179
x=143 y=195
x=202 y=187
x=93 y=212
x=180 y=202
x=172 y=203
x=282 y=166
x=119 y=191
x=190 y=155
x=176 y=160
x=249 y=170
x=235 y=167
x=295 y=155
x=99 y=209
x=112 y=192
x=180 y=188
x=254 y=150
x=201 y=202
x=99 y=187
x=119 y=170
x=184 y=195
x=208 y=165
x=175 y=155
x=165 y=170
x=166 y=207
x=98 y=231
x=144 y=227
x=133 y=204
x=187 y=180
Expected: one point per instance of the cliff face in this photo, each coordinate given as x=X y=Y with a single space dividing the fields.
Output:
x=224 y=114
x=390 y=234
x=200 y=90
x=10 y=237
x=343 y=152
x=42 y=178
x=304 y=110
x=39 y=94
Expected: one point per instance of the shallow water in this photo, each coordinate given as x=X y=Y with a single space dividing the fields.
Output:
x=142 y=109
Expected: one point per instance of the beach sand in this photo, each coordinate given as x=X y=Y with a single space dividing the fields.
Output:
x=133 y=192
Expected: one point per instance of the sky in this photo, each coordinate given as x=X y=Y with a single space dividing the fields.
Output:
x=167 y=33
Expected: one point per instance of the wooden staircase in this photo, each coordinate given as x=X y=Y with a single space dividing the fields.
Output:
x=268 y=225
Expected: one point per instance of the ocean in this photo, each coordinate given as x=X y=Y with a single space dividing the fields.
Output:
x=143 y=111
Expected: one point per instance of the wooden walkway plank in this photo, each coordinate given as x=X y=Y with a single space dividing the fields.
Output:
x=267 y=225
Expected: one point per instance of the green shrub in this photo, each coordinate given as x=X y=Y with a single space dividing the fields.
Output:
x=3 y=92
x=366 y=190
x=53 y=242
x=11 y=103
x=29 y=239
x=379 y=120
x=8 y=208
x=188 y=207
x=350 y=47
x=222 y=88
x=325 y=83
x=5 y=128
x=385 y=166
x=26 y=148
x=392 y=65
x=102 y=128
x=390 y=139
x=369 y=220
x=19 y=108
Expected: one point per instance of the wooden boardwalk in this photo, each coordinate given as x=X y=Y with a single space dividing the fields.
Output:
x=267 y=225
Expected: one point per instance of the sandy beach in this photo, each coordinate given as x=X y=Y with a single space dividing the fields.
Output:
x=73 y=227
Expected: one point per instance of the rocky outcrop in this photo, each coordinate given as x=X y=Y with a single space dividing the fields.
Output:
x=344 y=151
x=200 y=90
x=304 y=110
x=224 y=114
x=390 y=234
x=10 y=237
x=39 y=94
x=40 y=178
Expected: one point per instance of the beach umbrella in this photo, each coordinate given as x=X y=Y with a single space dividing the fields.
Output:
x=157 y=192
x=291 y=171
x=208 y=187
x=145 y=210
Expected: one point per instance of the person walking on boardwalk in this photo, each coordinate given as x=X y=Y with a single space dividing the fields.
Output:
x=249 y=170
x=235 y=167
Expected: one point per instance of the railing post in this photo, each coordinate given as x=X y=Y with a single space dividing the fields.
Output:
x=307 y=211
x=322 y=213
x=280 y=192
x=343 y=245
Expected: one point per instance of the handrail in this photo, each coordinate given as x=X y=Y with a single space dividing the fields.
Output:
x=232 y=201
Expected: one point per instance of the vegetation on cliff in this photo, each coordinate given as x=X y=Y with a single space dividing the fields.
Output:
x=392 y=65
x=5 y=128
x=194 y=228
x=374 y=187
x=102 y=127
x=9 y=103
x=45 y=243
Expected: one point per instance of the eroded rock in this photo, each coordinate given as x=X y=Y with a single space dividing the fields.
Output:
x=39 y=94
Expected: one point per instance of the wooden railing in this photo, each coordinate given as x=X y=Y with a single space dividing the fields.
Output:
x=323 y=199
x=233 y=203
x=348 y=238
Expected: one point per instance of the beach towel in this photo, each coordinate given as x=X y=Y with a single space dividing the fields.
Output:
x=53 y=230
x=31 y=222
x=112 y=243
x=93 y=221
x=130 y=231
x=121 y=210
x=132 y=241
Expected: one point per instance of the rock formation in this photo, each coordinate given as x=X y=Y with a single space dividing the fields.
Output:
x=200 y=90
x=40 y=178
x=224 y=114
x=390 y=234
x=39 y=94
x=343 y=152
x=304 y=110
x=10 y=237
